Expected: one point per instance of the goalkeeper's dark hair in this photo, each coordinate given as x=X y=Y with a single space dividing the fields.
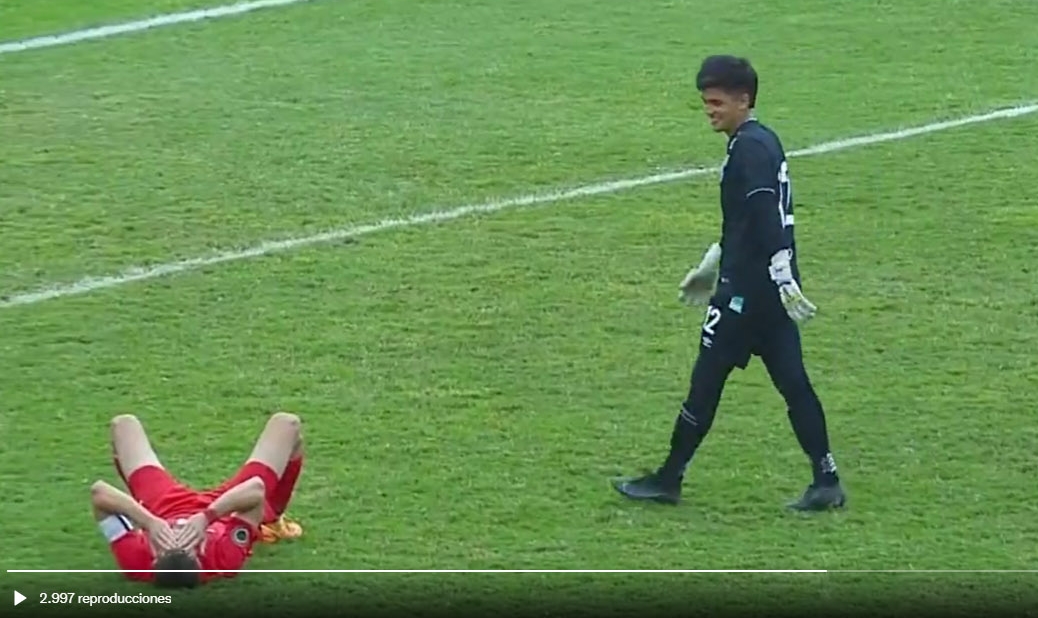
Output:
x=729 y=73
x=169 y=562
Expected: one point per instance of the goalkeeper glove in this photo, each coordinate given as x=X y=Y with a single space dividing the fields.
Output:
x=698 y=285
x=796 y=304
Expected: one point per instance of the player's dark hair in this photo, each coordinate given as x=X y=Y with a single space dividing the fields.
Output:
x=729 y=73
x=166 y=565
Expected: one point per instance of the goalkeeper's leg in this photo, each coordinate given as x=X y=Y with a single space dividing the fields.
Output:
x=783 y=358
x=697 y=413
x=724 y=345
x=690 y=428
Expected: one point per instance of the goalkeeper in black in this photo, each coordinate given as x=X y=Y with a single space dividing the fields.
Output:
x=750 y=282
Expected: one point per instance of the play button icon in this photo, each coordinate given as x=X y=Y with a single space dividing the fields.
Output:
x=18 y=597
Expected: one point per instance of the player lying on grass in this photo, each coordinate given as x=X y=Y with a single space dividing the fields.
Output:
x=162 y=526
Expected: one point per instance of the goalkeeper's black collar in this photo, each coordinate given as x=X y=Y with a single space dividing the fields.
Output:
x=735 y=134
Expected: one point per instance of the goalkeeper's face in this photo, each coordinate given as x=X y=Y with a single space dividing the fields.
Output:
x=725 y=110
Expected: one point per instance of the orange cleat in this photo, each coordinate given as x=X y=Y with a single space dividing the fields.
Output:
x=280 y=529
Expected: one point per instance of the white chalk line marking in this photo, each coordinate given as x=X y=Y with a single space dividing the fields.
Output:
x=142 y=273
x=159 y=21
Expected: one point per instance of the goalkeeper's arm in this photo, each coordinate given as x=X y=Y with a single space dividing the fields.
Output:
x=770 y=233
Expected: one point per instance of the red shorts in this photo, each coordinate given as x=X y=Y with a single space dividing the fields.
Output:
x=162 y=494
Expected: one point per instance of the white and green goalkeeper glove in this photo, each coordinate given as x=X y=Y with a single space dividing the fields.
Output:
x=796 y=304
x=698 y=285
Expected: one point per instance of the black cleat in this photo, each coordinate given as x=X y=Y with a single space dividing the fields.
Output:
x=652 y=486
x=820 y=498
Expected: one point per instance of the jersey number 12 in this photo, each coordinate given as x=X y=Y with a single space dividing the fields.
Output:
x=785 y=195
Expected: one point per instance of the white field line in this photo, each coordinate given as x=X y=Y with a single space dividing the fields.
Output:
x=141 y=273
x=521 y=571
x=512 y=571
x=158 y=21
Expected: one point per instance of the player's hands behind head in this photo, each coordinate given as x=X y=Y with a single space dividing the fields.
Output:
x=192 y=533
x=162 y=536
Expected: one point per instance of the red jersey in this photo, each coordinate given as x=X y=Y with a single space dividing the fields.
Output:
x=229 y=540
x=228 y=545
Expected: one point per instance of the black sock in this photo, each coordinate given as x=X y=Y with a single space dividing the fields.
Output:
x=825 y=470
x=808 y=421
x=683 y=443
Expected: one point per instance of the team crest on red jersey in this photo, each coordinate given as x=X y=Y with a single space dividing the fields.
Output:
x=240 y=536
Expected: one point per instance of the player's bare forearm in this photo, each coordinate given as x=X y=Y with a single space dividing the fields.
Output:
x=244 y=500
x=243 y=497
x=109 y=500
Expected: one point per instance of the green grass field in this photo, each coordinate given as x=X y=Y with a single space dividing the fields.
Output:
x=469 y=387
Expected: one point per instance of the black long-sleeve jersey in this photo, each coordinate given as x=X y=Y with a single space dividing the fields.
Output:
x=757 y=210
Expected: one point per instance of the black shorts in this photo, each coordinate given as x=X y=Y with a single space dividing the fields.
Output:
x=737 y=327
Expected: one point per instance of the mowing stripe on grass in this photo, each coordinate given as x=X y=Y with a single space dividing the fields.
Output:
x=159 y=21
x=142 y=273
